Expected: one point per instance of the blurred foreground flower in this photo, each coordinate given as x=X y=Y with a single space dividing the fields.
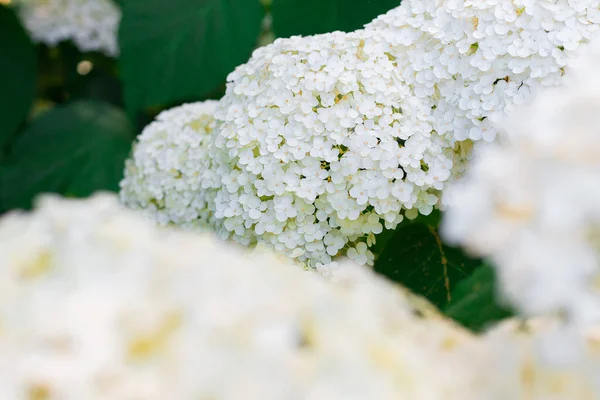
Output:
x=531 y=202
x=536 y=360
x=91 y=24
x=96 y=303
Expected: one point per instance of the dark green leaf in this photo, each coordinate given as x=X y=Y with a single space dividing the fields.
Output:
x=17 y=74
x=416 y=257
x=475 y=303
x=384 y=237
x=73 y=150
x=182 y=49
x=98 y=86
x=308 y=17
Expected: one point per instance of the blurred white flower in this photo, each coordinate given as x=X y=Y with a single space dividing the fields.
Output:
x=531 y=202
x=91 y=24
x=96 y=303
x=536 y=360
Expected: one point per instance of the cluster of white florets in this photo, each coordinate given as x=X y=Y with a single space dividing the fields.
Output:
x=162 y=178
x=321 y=142
x=91 y=24
x=473 y=60
x=531 y=204
x=314 y=155
x=96 y=303
x=319 y=145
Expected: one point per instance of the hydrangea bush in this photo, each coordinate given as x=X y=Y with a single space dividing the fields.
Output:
x=322 y=141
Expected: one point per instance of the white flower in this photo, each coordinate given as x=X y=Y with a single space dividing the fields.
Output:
x=163 y=175
x=96 y=303
x=326 y=138
x=531 y=202
x=471 y=60
x=91 y=24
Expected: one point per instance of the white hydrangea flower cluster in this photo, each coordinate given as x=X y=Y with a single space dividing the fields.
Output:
x=162 y=178
x=91 y=24
x=473 y=60
x=531 y=204
x=314 y=149
x=96 y=303
x=321 y=142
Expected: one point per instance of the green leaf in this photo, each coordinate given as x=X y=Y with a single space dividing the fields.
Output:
x=309 y=17
x=178 y=50
x=475 y=302
x=73 y=150
x=384 y=237
x=416 y=257
x=17 y=74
